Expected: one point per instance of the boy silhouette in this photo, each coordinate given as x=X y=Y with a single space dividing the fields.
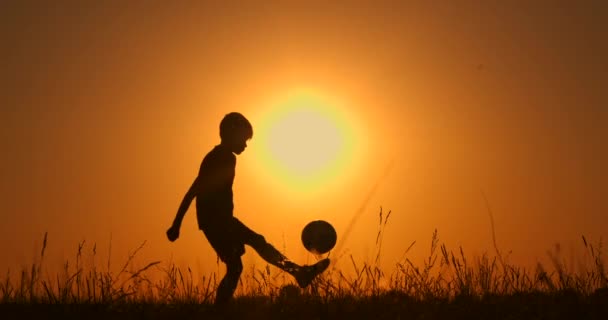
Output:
x=214 y=212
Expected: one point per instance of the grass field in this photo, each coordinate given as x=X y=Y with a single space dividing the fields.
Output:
x=447 y=285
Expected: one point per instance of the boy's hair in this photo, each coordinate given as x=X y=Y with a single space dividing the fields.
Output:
x=235 y=123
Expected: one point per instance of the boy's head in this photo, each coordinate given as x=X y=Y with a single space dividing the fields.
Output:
x=235 y=130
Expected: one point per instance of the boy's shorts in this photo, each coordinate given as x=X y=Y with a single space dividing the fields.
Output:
x=228 y=240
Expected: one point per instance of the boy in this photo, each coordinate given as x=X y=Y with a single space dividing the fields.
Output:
x=226 y=234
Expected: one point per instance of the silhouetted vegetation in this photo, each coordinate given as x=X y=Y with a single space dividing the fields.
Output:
x=446 y=285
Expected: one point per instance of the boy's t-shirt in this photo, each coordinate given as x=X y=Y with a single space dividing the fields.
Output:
x=214 y=205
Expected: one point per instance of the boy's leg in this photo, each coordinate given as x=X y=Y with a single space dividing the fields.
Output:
x=227 y=286
x=303 y=274
x=229 y=251
x=267 y=251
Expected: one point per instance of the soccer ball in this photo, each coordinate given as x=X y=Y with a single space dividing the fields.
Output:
x=319 y=237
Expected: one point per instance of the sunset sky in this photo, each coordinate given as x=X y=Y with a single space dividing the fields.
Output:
x=107 y=111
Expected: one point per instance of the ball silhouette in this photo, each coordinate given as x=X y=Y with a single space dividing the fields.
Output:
x=319 y=237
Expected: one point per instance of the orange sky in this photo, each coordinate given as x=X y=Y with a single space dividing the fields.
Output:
x=107 y=112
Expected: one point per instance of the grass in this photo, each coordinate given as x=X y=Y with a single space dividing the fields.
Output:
x=446 y=284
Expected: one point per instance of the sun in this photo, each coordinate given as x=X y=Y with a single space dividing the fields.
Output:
x=306 y=140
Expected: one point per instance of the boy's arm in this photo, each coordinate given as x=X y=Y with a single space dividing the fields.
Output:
x=173 y=232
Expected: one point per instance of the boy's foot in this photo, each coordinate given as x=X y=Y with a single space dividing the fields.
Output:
x=306 y=274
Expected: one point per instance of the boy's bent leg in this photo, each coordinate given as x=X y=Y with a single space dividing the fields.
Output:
x=267 y=251
x=304 y=275
x=273 y=256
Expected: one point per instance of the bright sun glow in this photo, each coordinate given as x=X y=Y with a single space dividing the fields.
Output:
x=305 y=141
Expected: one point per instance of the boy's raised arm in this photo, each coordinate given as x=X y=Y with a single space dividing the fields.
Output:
x=173 y=232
